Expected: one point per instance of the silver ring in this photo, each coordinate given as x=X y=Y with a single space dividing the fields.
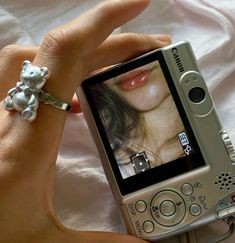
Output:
x=27 y=93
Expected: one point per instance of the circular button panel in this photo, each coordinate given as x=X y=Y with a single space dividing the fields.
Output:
x=167 y=208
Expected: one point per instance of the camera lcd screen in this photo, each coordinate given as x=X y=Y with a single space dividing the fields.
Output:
x=142 y=123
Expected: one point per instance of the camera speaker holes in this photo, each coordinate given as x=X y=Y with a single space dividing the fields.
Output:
x=225 y=181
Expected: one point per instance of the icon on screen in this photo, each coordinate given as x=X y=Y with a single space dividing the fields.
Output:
x=140 y=162
x=185 y=143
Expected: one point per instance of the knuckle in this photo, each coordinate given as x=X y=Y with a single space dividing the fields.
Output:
x=10 y=53
x=143 y=42
x=134 y=39
x=55 y=42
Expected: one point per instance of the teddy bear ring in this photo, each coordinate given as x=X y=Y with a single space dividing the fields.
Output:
x=27 y=94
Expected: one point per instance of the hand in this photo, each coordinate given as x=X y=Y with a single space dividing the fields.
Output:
x=28 y=151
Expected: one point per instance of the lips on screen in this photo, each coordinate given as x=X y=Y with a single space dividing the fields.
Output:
x=126 y=126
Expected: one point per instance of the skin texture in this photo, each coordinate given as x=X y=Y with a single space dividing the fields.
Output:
x=154 y=90
x=27 y=163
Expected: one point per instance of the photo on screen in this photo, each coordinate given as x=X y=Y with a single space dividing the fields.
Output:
x=141 y=120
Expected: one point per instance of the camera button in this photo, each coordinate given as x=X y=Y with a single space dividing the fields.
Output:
x=187 y=189
x=167 y=208
x=195 y=209
x=140 y=206
x=148 y=226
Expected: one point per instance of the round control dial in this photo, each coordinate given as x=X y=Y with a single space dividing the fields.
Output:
x=167 y=208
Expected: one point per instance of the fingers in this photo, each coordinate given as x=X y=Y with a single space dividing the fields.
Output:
x=130 y=44
x=11 y=58
x=122 y=47
x=107 y=54
x=104 y=237
x=85 y=33
x=69 y=52
x=75 y=105
x=65 y=49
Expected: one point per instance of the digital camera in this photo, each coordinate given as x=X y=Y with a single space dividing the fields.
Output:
x=169 y=162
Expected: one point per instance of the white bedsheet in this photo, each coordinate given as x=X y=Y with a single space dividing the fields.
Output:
x=82 y=197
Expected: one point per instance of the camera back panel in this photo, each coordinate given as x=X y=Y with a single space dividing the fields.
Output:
x=181 y=193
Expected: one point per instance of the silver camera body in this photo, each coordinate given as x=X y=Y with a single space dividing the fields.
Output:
x=194 y=189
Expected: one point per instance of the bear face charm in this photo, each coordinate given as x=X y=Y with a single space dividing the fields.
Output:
x=24 y=98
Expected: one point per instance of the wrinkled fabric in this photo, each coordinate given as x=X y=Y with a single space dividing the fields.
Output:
x=82 y=196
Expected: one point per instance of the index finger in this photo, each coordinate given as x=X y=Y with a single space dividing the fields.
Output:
x=64 y=53
x=67 y=47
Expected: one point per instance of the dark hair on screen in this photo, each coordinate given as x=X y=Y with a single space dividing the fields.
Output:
x=118 y=117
